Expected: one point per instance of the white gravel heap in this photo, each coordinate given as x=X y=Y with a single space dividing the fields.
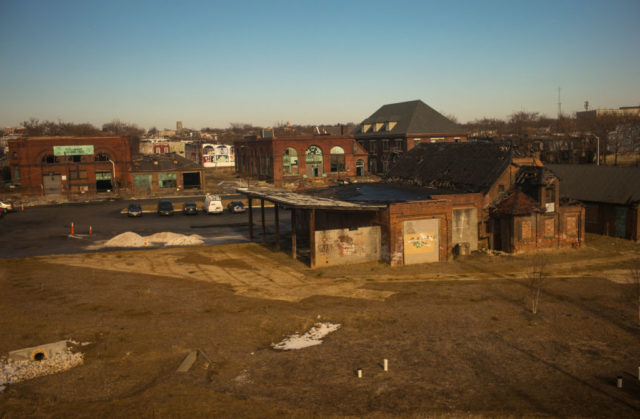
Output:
x=15 y=371
x=131 y=239
x=311 y=338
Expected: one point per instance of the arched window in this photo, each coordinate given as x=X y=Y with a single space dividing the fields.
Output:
x=337 y=160
x=313 y=159
x=102 y=157
x=290 y=162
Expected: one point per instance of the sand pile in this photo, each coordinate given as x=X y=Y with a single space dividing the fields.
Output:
x=311 y=338
x=131 y=239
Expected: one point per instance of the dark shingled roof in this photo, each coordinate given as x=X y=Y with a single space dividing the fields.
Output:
x=607 y=184
x=412 y=118
x=454 y=167
x=166 y=162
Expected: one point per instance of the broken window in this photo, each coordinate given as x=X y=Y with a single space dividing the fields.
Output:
x=337 y=160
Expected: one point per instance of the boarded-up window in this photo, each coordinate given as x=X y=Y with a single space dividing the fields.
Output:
x=167 y=180
x=549 y=227
x=572 y=226
x=525 y=230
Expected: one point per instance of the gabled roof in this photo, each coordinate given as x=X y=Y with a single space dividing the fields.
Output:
x=453 y=167
x=171 y=162
x=412 y=117
x=590 y=183
x=516 y=202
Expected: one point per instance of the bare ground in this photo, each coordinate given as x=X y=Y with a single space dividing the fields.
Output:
x=458 y=335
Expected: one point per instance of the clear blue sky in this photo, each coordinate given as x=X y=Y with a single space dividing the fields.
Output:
x=210 y=63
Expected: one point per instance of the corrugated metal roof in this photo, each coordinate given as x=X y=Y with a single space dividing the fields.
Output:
x=590 y=183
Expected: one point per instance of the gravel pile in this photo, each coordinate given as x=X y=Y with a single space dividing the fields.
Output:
x=15 y=371
x=128 y=239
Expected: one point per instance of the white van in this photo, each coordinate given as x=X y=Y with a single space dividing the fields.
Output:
x=213 y=204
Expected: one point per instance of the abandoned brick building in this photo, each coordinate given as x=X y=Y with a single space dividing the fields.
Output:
x=158 y=173
x=398 y=127
x=438 y=200
x=611 y=196
x=69 y=165
x=301 y=161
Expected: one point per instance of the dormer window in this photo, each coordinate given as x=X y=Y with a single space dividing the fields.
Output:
x=391 y=125
x=366 y=128
x=378 y=126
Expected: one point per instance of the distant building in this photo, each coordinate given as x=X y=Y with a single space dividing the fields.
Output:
x=69 y=165
x=162 y=146
x=596 y=113
x=154 y=174
x=398 y=127
x=301 y=161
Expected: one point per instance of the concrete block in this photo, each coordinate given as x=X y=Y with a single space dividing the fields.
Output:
x=188 y=362
x=39 y=353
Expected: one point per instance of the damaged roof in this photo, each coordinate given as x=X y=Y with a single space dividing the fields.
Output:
x=162 y=162
x=299 y=200
x=412 y=117
x=452 y=167
x=534 y=175
x=374 y=193
x=516 y=202
x=590 y=183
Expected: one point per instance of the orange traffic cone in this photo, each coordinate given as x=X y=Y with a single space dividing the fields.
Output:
x=22 y=207
x=90 y=230
x=72 y=228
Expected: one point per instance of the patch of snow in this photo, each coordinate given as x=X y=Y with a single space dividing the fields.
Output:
x=311 y=338
x=131 y=239
x=127 y=239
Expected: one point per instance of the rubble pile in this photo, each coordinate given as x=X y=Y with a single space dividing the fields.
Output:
x=12 y=371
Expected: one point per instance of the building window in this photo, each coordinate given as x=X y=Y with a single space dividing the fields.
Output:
x=75 y=159
x=378 y=126
x=50 y=159
x=385 y=145
x=337 y=160
x=101 y=157
x=366 y=128
x=525 y=230
x=16 y=174
x=572 y=226
x=77 y=174
x=391 y=125
x=549 y=227
x=290 y=162
x=167 y=180
x=416 y=141
x=397 y=145
x=550 y=194
x=313 y=159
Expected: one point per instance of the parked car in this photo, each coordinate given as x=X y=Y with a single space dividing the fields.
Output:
x=7 y=206
x=165 y=207
x=134 y=210
x=213 y=204
x=236 y=207
x=190 y=208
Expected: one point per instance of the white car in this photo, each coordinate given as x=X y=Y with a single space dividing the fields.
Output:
x=213 y=204
x=7 y=206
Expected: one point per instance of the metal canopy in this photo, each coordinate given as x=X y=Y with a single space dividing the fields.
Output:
x=297 y=200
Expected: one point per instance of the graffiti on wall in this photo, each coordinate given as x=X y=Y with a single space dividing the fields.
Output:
x=340 y=246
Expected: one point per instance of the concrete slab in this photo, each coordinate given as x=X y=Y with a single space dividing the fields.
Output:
x=188 y=361
x=39 y=353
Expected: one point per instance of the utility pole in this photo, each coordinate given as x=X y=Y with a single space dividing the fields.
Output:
x=559 y=103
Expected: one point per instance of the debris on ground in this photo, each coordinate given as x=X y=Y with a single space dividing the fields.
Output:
x=313 y=337
x=28 y=363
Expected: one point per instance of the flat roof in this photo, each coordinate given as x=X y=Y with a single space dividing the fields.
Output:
x=298 y=200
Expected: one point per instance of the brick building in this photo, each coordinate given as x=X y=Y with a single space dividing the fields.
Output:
x=163 y=173
x=398 y=127
x=611 y=196
x=69 y=165
x=301 y=161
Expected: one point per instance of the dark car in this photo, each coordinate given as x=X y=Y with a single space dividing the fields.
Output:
x=165 y=207
x=134 y=210
x=190 y=208
x=236 y=207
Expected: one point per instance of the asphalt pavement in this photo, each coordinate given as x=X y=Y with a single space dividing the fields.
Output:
x=45 y=230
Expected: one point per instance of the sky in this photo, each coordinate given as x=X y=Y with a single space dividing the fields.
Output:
x=213 y=63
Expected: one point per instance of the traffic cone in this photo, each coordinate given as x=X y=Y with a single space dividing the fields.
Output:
x=90 y=230
x=72 y=228
x=22 y=207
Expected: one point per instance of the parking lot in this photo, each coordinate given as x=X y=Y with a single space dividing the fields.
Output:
x=46 y=230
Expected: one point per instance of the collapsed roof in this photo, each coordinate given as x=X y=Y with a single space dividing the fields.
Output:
x=454 y=167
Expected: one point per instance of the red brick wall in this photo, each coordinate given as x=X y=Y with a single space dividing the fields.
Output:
x=275 y=148
x=561 y=233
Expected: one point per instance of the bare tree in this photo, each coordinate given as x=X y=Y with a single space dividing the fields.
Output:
x=536 y=277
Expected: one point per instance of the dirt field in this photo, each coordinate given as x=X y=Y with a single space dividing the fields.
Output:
x=459 y=336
